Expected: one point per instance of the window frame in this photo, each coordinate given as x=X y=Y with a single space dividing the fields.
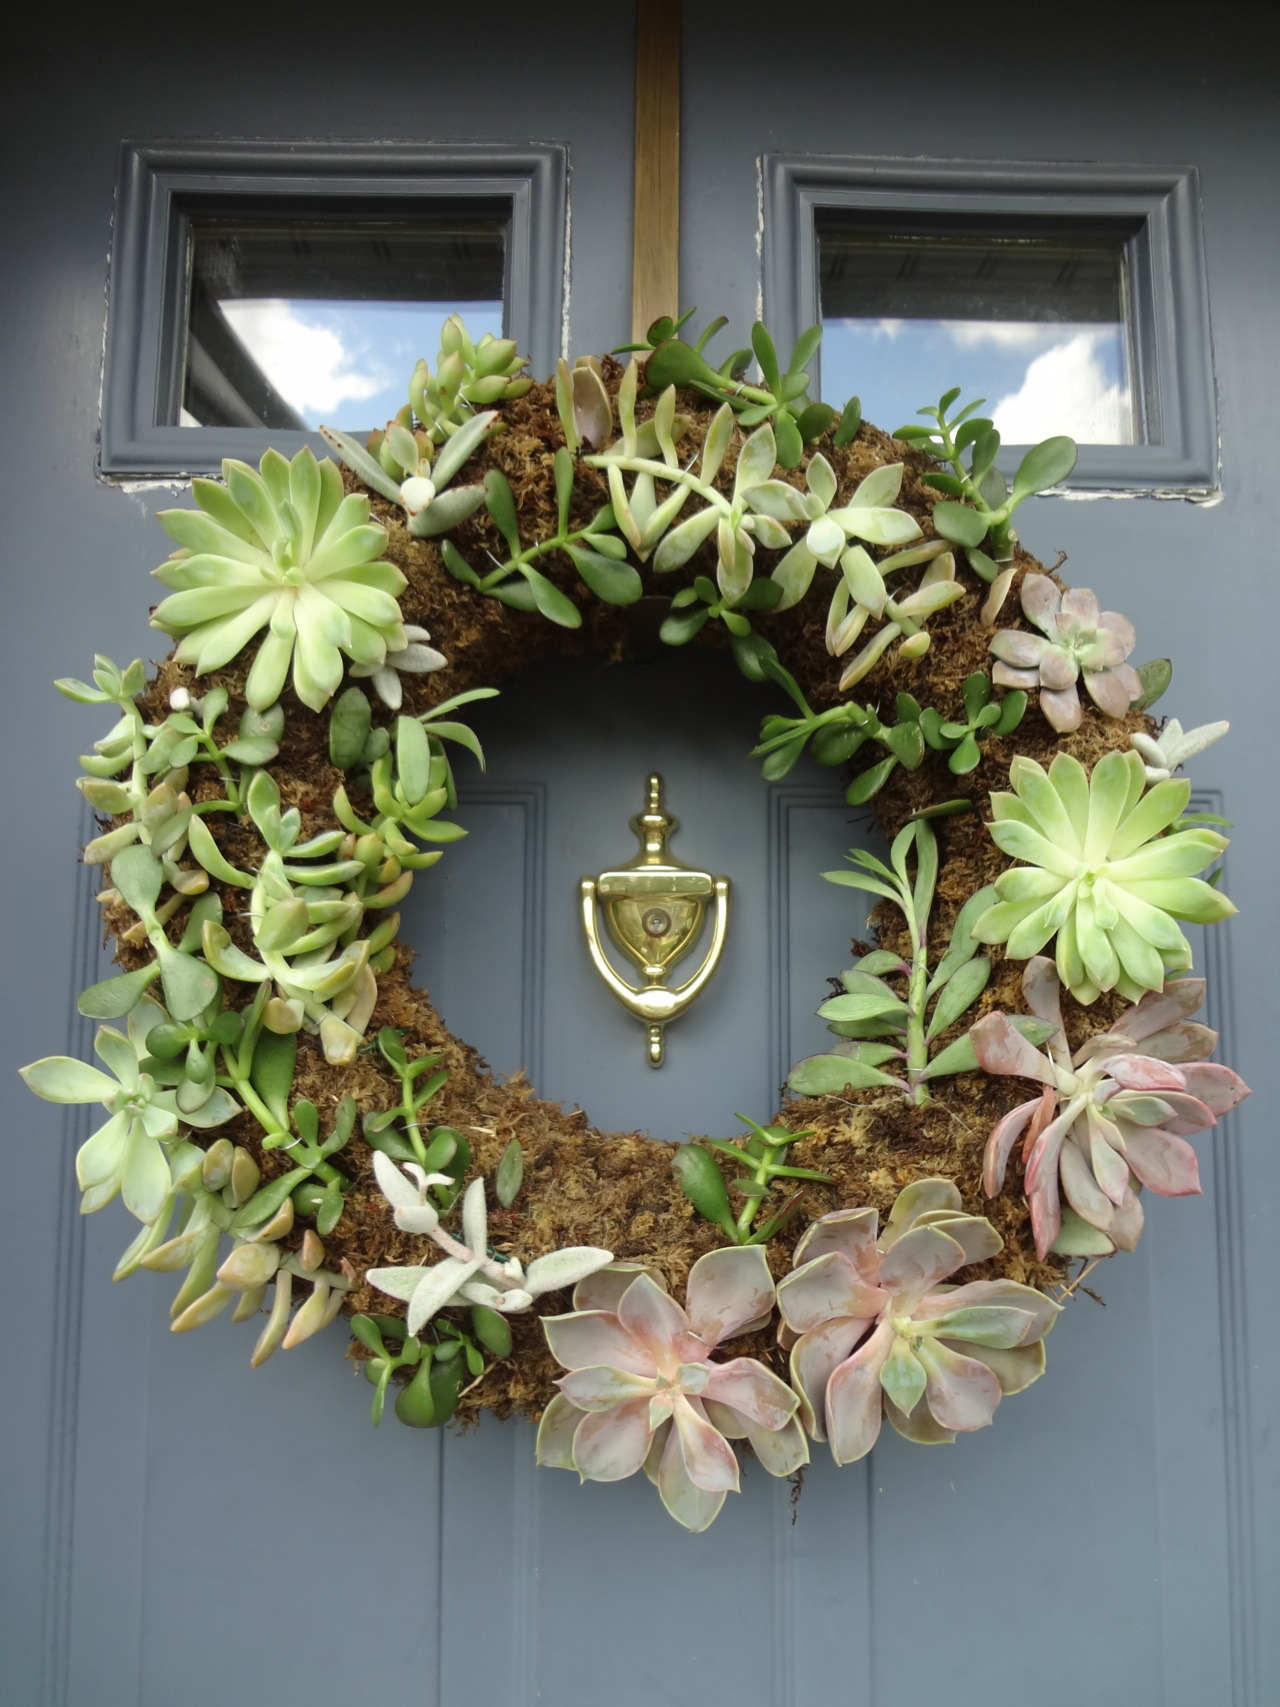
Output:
x=163 y=185
x=1168 y=291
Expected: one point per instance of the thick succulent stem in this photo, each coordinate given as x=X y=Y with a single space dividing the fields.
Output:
x=530 y=554
x=917 y=995
x=662 y=471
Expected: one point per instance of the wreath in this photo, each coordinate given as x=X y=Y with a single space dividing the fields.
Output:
x=299 y=1134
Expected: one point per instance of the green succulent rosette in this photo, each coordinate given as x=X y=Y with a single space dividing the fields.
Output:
x=1104 y=873
x=284 y=550
x=127 y=1156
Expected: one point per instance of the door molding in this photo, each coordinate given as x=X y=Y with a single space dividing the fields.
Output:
x=161 y=183
x=1229 y=1143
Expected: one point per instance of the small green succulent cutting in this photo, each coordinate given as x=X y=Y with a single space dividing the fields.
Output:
x=749 y=516
x=1106 y=873
x=437 y=1369
x=594 y=550
x=443 y=1153
x=282 y=550
x=782 y=397
x=861 y=594
x=763 y=1157
x=961 y=741
x=471 y=373
x=834 y=736
x=886 y=1035
x=978 y=504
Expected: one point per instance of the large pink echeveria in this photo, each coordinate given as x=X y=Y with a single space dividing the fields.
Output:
x=642 y=1391
x=875 y=1330
x=1107 y=1116
x=1075 y=639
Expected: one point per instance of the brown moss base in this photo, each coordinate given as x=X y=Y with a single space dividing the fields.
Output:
x=617 y=1190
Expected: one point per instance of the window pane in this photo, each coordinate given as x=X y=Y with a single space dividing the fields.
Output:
x=305 y=320
x=1035 y=322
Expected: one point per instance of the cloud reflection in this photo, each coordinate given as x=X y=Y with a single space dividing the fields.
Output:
x=307 y=362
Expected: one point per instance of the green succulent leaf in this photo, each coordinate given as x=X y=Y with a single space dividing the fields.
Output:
x=1155 y=677
x=189 y=984
x=501 y=504
x=275 y=1057
x=457 y=564
x=960 y=524
x=677 y=363
x=703 y=1184
x=491 y=1329
x=550 y=601
x=612 y=582
x=138 y=875
x=966 y=757
x=679 y=627
x=789 y=440
x=861 y=1005
x=829 y=1075
x=113 y=998
x=959 y=993
x=510 y=1175
x=349 y=724
x=850 y=421
x=906 y=742
x=957 y=1057
x=1046 y=464
x=867 y=784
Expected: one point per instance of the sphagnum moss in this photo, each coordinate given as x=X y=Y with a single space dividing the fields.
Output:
x=258 y=848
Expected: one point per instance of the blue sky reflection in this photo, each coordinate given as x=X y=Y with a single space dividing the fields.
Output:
x=1038 y=377
x=347 y=364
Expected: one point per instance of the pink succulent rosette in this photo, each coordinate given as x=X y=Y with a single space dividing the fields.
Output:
x=1076 y=639
x=876 y=1331
x=642 y=1390
x=1108 y=1116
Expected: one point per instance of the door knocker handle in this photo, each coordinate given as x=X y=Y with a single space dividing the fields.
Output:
x=654 y=910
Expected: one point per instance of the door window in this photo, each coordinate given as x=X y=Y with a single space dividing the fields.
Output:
x=258 y=289
x=1073 y=298
x=295 y=320
x=1035 y=320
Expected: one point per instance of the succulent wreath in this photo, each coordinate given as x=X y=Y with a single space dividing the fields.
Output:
x=295 y=1128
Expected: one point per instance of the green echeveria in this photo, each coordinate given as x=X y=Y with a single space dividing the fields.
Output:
x=283 y=550
x=1100 y=874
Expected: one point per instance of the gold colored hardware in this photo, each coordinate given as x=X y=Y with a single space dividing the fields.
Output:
x=654 y=910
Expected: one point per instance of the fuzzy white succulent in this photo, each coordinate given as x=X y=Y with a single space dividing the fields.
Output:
x=467 y=1274
x=1164 y=753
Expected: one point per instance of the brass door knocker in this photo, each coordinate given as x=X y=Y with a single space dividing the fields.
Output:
x=654 y=910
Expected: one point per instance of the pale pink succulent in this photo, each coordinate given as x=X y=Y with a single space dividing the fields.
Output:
x=642 y=1390
x=875 y=1331
x=1076 y=639
x=1108 y=1116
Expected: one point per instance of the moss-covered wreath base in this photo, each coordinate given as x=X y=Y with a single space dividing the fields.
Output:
x=618 y=1190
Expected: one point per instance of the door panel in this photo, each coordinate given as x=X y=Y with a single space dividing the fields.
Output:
x=188 y=1533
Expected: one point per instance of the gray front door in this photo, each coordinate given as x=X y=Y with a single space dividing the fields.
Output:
x=186 y=1533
